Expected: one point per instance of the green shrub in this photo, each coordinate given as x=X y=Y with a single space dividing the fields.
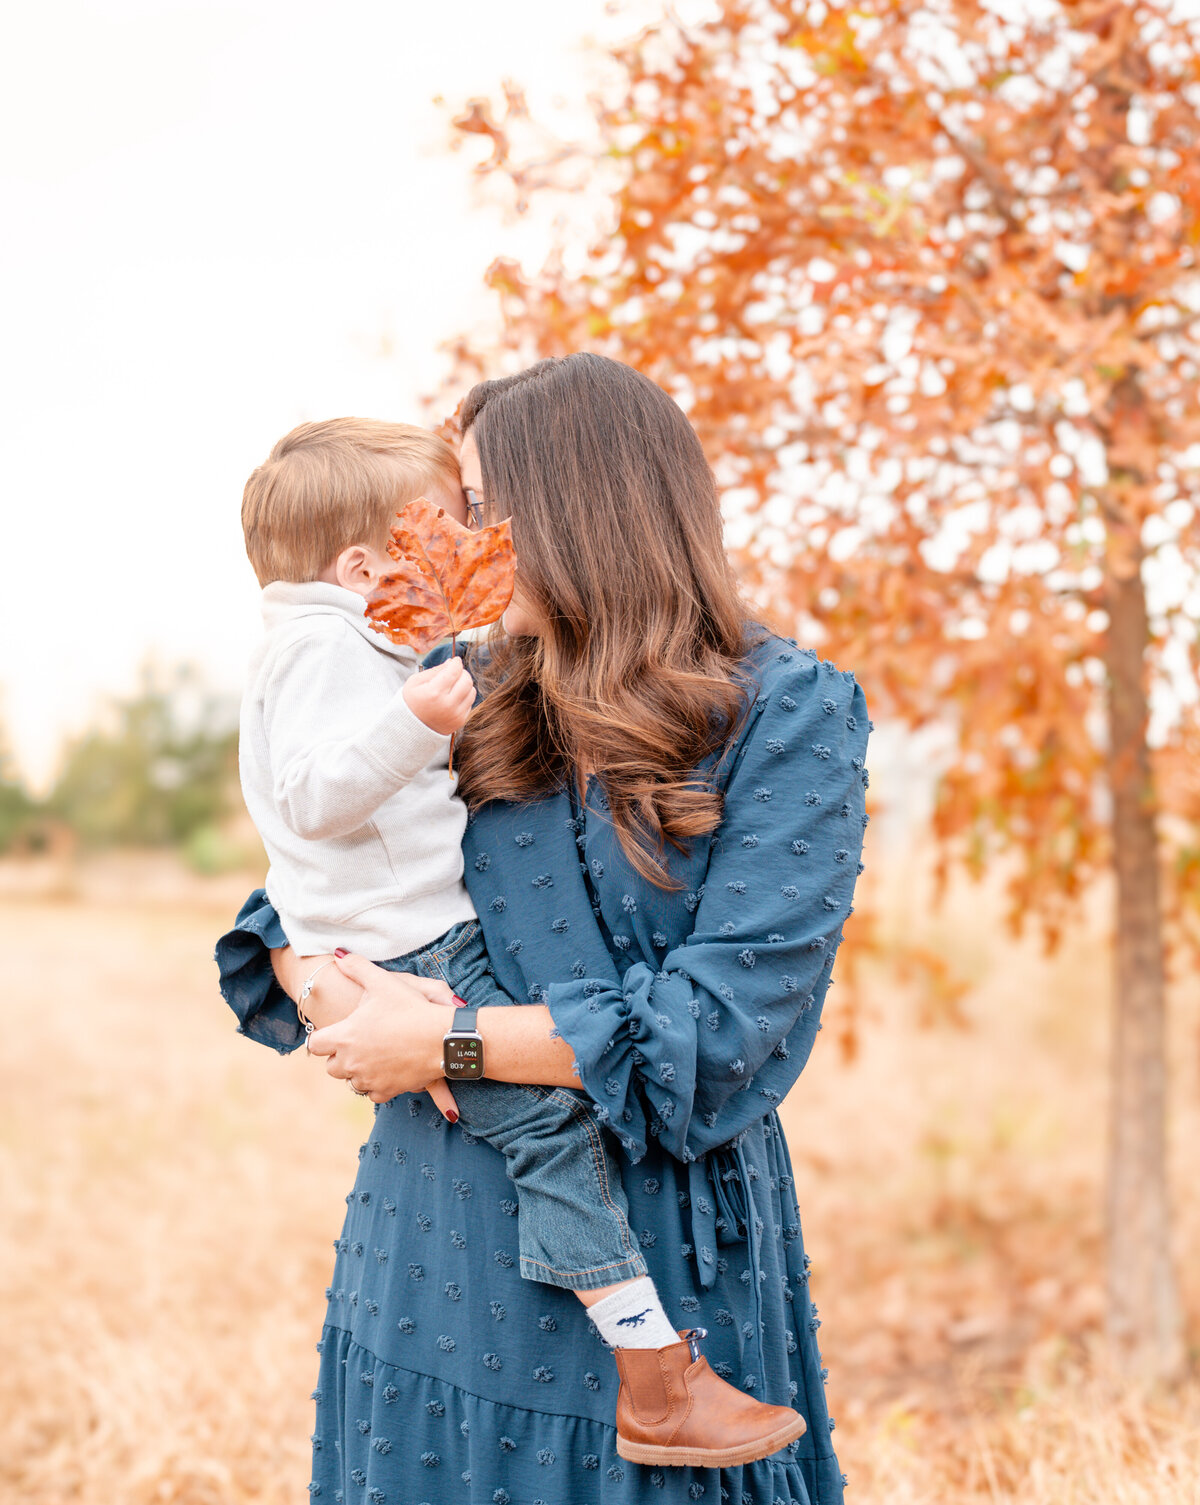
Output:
x=162 y=768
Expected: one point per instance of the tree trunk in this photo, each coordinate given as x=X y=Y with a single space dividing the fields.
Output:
x=1144 y=1316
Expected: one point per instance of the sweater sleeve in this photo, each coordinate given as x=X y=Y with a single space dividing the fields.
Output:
x=337 y=752
x=697 y=1051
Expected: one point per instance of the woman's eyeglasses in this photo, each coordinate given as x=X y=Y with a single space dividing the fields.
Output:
x=482 y=514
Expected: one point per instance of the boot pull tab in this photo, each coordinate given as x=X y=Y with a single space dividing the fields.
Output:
x=692 y=1338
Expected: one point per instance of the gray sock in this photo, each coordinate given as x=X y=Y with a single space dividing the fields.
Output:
x=633 y=1317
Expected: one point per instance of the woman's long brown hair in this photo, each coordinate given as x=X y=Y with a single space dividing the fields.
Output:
x=636 y=674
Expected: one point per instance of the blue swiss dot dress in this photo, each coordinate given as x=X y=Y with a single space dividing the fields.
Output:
x=445 y=1377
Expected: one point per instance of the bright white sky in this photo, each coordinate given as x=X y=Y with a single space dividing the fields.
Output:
x=223 y=219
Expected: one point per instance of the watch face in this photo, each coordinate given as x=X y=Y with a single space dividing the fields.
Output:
x=462 y=1056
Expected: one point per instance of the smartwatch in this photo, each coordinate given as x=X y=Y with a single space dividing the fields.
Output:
x=462 y=1047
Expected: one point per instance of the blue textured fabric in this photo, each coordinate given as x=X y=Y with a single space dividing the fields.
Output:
x=445 y=1376
x=572 y=1223
x=264 y=1011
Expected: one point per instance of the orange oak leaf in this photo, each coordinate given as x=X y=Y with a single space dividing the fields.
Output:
x=448 y=577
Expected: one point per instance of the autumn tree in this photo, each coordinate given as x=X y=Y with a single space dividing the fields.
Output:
x=923 y=274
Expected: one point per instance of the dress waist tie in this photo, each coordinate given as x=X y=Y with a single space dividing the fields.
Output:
x=704 y=1210
x=754 y=1227
x=723 y=1212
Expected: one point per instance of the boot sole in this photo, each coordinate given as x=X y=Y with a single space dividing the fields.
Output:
x=677 y=1457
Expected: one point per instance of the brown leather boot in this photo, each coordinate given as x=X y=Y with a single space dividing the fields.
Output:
x=672 y=1409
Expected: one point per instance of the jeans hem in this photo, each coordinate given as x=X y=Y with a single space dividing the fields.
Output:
x=583 y=1280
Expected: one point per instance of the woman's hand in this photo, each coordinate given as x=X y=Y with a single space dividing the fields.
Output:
x=434 y=989
x=392 y=1042
x=440 y=992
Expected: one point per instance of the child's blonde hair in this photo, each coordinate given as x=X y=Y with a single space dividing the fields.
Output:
x=326 y=486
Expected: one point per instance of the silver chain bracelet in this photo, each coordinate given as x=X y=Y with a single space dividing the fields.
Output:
x=305 y=990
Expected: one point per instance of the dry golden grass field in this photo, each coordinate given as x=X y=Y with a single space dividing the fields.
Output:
x=171 y=1192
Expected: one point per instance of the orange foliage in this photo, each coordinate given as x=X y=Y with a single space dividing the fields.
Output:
x=448 y=577
x=923 y=275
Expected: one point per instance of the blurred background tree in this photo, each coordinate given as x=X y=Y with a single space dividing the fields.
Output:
x=17 y=808
x=160 y=769
x=923 y=274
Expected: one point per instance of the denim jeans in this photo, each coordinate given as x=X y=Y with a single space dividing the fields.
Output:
x=573 y=1219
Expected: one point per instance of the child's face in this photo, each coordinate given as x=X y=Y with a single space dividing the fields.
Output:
x=448 y=495
x=445 y=494
x=360 y=567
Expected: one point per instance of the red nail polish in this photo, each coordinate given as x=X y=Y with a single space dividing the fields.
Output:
x=452 y=1115
x=341 y=951
x=460 y=1002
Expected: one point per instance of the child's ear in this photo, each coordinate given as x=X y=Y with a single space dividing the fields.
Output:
x=353 y=570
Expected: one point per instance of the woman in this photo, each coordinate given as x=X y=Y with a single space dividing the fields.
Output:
x=667 y=816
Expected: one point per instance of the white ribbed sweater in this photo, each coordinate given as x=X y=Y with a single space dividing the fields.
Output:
x=349 y=791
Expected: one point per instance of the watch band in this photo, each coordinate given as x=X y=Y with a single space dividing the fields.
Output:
x=462 y=1047
x=464 y=1020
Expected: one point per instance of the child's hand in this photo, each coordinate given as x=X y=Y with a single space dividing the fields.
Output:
x=441 y=698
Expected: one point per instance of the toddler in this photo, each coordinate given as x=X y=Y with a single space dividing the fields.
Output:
x=343 y=759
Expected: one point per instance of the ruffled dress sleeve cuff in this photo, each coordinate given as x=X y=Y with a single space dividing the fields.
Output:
x=248 y=985
x=635 y=1061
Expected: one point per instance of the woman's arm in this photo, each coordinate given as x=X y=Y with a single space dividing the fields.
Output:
x=522 y=1045
x=334 y=996
x=385 y=1049
x=261 y=977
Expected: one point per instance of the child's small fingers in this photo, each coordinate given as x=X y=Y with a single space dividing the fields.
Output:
x=440 y=675
x=455 y=696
